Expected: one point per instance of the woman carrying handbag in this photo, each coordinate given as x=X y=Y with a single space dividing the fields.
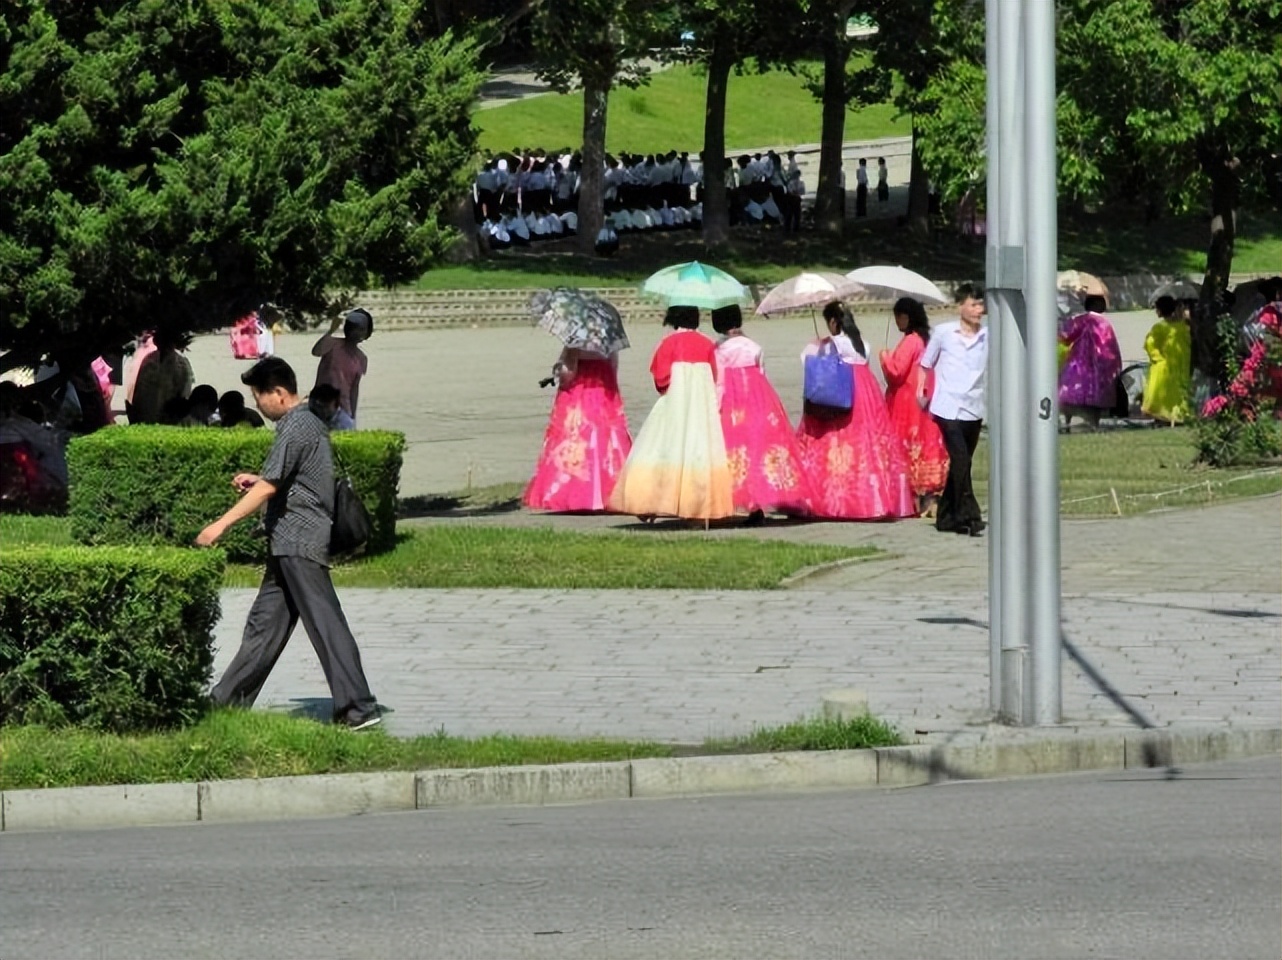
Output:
x=853 y=457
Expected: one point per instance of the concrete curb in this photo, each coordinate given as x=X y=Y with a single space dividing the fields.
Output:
x=992 y=754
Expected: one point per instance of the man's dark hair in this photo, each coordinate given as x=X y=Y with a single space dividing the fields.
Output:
x=325 y=393
x=1165 y=306
x=268 y=374
x=231 y=402
x=359 y=324
x=1095 y=303
x=682 y=318
x=968 y=291
x=204 y=395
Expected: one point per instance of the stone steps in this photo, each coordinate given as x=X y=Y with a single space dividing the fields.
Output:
x=509 y=307
x=417 y=309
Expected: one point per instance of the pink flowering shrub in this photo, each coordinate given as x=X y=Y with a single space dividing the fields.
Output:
x=1240 y=425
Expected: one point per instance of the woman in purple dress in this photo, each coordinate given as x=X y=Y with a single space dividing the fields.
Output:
x=1088 y=382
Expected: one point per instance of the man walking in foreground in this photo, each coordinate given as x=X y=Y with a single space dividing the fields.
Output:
x=297 y=487
x=958 y=353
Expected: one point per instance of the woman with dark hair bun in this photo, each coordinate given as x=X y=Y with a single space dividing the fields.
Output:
x=923 y=443
x=765 y=463
x=855 y=461
x=677 y=467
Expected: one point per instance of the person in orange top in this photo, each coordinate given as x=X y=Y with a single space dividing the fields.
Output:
x=923 y=443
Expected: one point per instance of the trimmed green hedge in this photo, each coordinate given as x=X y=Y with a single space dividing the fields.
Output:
x=163 y=485
x=112 y=638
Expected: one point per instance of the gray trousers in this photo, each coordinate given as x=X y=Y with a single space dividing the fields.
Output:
x=294 y=588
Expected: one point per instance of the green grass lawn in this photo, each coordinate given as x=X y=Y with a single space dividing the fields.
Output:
x=667 y=114
x=230 y=744
x=482 y=557
x=473 y=556
x=1114 y=242
x=1149 y=469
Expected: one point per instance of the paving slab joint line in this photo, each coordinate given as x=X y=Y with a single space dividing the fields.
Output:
x=805 y=573
x=968 y=755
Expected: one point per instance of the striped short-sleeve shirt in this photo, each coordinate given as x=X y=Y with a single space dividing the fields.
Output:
x=301 y=467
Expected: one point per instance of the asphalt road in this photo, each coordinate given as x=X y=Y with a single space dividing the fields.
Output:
x=1116 y=865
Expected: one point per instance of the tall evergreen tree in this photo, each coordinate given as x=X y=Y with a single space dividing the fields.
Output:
x=186 y=161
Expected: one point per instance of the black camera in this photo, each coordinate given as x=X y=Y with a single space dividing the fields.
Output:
x=547 y=381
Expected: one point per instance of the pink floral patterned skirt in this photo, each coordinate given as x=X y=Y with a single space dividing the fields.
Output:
x=765 y=461
x=585 y=446
x=856 y=463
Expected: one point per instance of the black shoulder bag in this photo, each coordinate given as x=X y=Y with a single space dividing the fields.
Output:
x=351 y=528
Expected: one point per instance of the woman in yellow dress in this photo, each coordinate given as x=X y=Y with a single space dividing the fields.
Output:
x=1169 y=346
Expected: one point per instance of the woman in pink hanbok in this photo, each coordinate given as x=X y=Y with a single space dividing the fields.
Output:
x=587 y=439
x=855 y=461
x=1088 y=382
x=765 y=462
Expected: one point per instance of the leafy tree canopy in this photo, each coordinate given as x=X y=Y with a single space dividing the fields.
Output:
x=1150 y=93
x=185 y=161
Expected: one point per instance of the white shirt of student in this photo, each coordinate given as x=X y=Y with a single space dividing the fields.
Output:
x=487 y=179
x=690 y=174
x=960 y=364
x=570 y=219
x=861 y=175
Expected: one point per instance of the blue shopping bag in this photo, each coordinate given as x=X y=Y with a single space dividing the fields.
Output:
x=828 y=382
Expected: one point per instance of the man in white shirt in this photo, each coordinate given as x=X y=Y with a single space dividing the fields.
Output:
x=958 y=353
x=487 y=187
x=861 y=188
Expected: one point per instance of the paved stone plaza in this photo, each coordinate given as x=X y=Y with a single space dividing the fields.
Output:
x=1180 y=610
x=469 y=403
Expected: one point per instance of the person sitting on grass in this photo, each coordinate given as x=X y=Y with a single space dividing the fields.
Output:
x=323 y=401
x=202 y=407
x=232 y=411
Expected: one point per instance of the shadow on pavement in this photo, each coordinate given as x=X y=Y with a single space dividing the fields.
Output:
x=446 y=506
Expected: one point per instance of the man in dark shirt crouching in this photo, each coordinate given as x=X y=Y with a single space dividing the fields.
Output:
x=297 y=486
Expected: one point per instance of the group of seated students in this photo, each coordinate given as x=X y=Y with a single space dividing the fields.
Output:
x=205 y=408
x=530 y=195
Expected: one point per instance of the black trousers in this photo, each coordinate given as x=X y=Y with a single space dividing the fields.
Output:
x=294 y=588
x=958 y=508
x=861 y=200
x=791 y=210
